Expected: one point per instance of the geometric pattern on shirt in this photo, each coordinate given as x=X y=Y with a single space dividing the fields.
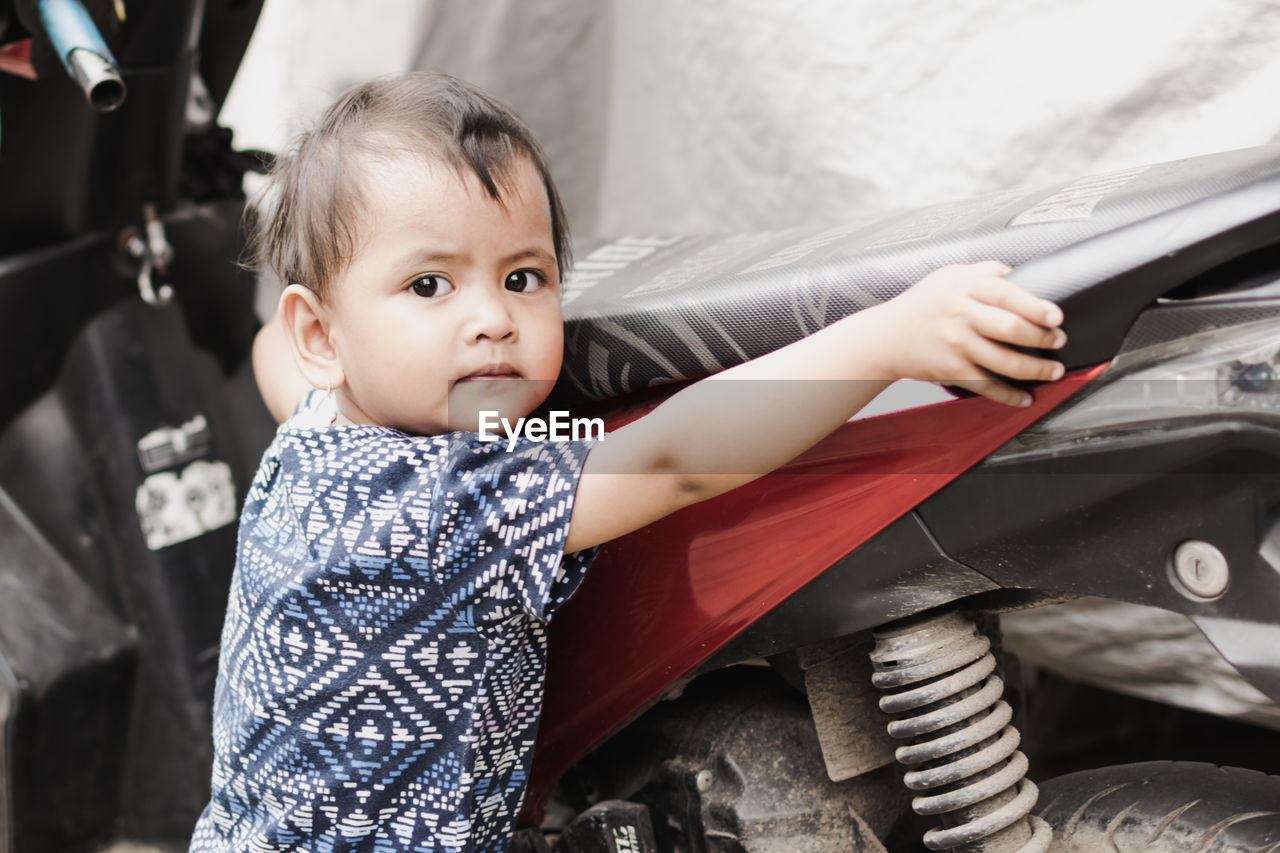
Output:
x=382 y=658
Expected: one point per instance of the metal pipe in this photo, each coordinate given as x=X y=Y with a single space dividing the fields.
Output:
x=83 y=53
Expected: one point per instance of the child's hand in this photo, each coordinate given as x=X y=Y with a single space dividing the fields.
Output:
x=955 y=327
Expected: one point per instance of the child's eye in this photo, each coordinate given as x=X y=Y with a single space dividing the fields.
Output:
x=525 y=281
x=429 y=286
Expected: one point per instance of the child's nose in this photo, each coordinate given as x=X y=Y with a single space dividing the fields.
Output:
x=491 y=316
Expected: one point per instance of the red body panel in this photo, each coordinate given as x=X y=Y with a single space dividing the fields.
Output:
x=659 y=601
x=15 y=58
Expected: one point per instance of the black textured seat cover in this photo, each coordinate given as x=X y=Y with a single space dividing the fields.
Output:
x=643 y=311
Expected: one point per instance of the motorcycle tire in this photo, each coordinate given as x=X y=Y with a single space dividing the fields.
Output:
x=1163 y=807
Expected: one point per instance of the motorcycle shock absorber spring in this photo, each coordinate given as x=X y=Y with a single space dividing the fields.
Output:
x=937 y=674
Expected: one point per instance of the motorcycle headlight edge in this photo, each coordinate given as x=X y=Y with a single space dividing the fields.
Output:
x=1233 y=369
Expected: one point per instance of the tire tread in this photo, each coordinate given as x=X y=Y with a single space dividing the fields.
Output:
x=1164 y=806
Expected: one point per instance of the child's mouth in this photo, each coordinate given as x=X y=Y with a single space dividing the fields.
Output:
x=492 y=371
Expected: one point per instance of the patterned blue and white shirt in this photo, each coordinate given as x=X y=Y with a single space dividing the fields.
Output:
x=382 y=659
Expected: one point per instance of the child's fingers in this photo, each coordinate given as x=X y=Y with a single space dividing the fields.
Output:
x=995 y=389
x=1013 y=364
x=1011 y=328
x=1007 y=295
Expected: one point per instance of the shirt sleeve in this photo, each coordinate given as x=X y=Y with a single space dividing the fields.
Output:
x=504 y=518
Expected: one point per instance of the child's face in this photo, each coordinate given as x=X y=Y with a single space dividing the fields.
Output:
x=451 y=304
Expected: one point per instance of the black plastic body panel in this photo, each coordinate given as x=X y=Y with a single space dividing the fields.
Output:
x=1105 y=518
x=1251 y=642
x=68 y=666
x=899 y=572
x=48 y=295
x=108 y=635
x=74 y=462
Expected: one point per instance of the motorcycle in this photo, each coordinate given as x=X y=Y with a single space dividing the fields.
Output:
x=128 y=413
x=745 y=675
x=869 y=574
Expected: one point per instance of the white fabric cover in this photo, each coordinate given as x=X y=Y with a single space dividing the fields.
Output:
x=729 y=115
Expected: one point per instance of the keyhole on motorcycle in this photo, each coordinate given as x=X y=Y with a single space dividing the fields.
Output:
x=1199 y=571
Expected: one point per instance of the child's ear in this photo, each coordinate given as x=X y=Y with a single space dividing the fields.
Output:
x=306 y=327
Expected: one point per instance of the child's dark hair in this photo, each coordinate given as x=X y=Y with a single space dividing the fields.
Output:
x=307 y=227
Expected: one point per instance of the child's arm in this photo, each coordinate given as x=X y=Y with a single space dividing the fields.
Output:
x=279 y=381
x=719 y=433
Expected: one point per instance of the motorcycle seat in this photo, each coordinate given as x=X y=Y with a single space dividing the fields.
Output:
x=644 y=311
